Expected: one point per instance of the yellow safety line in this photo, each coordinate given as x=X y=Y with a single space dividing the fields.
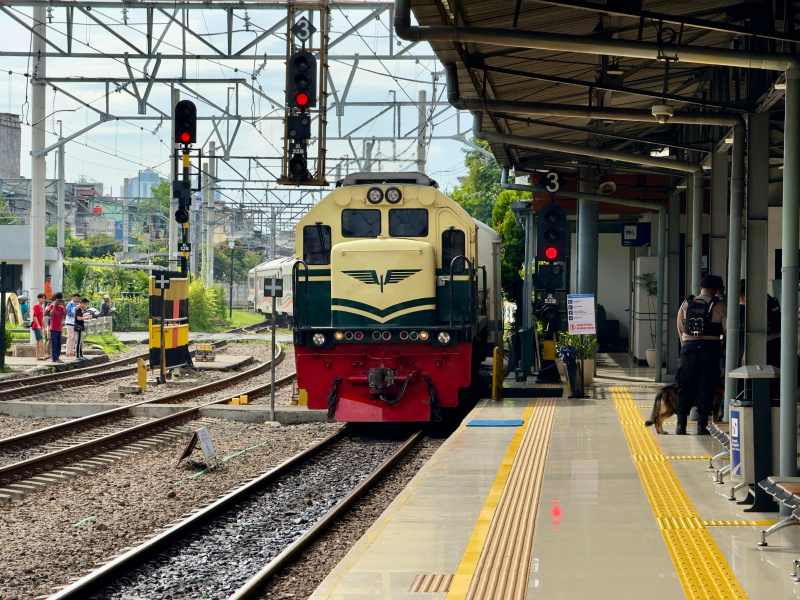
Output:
x=688 y=457
x=497 y=559
x=700 y=565
x=739 y=523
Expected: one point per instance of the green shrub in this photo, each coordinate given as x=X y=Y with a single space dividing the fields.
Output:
x=9 y=337
x=110 y=343
x=200 y=313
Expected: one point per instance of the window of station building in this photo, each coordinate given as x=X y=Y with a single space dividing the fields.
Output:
x=317 y=244
x=360 y=223
x=408 y=222
x=453 y=244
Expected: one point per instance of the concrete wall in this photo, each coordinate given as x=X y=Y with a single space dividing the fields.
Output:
x=614 y=280
x=15 y=250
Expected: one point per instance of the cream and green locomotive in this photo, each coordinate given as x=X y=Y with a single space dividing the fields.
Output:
x=397 y=299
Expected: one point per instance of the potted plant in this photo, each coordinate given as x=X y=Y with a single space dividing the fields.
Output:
x=584 y=345
x=649 y=284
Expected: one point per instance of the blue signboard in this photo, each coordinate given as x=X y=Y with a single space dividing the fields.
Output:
x=636 y=234
x=736 y=448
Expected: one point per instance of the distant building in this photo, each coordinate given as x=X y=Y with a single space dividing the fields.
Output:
x=10 y=144
x=141 y=186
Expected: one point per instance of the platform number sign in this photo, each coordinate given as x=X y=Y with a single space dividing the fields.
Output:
x=162 y=281
x=303 y=29
x=551 y=182
x=273 y=288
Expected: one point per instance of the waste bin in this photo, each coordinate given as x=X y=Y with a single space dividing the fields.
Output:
x=527 y=349
x=754 y=416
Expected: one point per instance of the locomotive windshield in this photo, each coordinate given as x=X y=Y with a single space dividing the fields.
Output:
x=317 y=244
x=361 y=223
x=408 y=222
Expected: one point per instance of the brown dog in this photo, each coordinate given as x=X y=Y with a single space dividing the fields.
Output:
x=666 y=405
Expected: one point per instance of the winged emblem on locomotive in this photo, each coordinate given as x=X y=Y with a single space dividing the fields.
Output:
x=372 y=278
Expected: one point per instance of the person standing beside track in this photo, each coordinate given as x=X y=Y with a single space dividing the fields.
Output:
x=57 y=312
x=701 y=329
x=70 y=323
x=37 y=326
x=80 y=316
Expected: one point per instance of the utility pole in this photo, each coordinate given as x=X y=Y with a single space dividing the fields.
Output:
x=273 y=233
x=421 y=101
x=212 y=174
x=126 y=201
x=38 y=162
x=61 y=208
x=204 y=218
x=173 y=202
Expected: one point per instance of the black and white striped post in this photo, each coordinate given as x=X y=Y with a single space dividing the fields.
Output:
x=273 y=287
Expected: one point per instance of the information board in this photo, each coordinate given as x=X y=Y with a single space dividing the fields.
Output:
x=580 y=314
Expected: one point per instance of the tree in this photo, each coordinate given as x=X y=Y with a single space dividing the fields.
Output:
x=479 y=189
x=512 y=241
x=6 y=216
x=102 y=244
x=243 y=261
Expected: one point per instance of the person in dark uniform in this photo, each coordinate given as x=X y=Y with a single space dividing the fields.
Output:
x=701 y=329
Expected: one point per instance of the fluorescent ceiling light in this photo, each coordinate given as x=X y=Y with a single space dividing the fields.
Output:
x=780 y=86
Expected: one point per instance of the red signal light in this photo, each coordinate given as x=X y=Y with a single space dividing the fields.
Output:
x=185 y=137
x=301 y=98
x=550 y=253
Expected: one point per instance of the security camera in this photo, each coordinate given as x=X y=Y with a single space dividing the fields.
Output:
x=606 y=188
x=662 y=112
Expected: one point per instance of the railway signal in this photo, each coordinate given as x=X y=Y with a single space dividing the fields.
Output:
x=301 y=80
x=185 y=122
x=298 y=130
x=552 y=237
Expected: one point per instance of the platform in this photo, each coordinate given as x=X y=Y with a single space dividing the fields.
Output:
x=223 y=362
x=582 y=501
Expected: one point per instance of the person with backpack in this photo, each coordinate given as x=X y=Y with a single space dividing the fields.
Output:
x=701 y=330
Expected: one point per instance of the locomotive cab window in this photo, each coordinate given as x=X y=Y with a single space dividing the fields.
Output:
x=317 y=244
x=408 y=222
x=361 y=223
x=453 y=244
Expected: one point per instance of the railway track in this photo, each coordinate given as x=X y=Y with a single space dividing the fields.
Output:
x=66 y=456
x=30 y=386
x=233 y=546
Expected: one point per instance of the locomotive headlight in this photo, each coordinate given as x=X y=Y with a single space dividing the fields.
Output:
x=375 y=195
x=393 y=195
x=318 y=339
x=423 y=335
x=338 y=336
x=444 y=338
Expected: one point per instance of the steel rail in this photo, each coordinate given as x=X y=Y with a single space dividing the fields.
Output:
x=72 y=378
x=130 y=560
x=53 y=460
x=254 y=585
x=123 y=564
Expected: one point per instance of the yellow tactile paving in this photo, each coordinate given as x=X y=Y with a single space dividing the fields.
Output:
x=700 y=564
x=739 y=523
x=496 y=561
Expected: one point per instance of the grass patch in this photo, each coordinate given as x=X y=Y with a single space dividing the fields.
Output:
x=109 y=342
x=243 y=318
x=20 y=335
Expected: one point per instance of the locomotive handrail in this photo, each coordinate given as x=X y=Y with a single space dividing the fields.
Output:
x=485 y=291
x=469 y=287
x=294 y=286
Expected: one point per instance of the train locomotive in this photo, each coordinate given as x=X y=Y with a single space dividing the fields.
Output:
x=397 y=299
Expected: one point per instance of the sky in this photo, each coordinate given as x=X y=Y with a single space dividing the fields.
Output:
x=112 y=151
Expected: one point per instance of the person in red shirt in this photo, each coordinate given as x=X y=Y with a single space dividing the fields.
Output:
x=37 y=325
x=57 y=313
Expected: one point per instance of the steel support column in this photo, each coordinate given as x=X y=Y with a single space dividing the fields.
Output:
x=673 y=275
x=718 y=246
x=587 y=238
x=698 y=191
x=789 y=274
x=757 y=234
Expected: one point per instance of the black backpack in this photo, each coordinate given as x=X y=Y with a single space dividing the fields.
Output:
x=698 y=318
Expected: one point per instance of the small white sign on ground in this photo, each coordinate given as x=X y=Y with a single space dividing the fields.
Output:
x=204 y=438
x=580 y=314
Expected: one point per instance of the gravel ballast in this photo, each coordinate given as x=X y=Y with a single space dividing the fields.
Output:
x=62 y=532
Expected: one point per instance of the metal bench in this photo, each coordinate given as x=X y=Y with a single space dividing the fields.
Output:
x=721 y=433
x=785 y=490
